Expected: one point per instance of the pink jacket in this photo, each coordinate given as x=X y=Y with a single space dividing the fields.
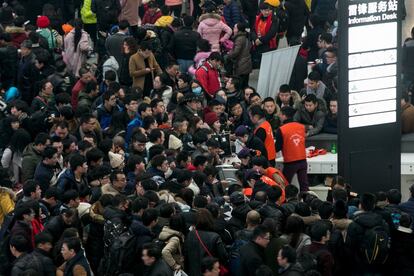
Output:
x=211 y=27
x=199 y=58
x=173 y=2
x=74 y=60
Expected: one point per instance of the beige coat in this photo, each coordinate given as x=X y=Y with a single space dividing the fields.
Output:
x=137 y=69
x=172 y=253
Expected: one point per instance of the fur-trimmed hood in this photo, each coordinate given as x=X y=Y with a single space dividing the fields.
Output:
x=210 y=15
x=15 y=30
x=4 y=190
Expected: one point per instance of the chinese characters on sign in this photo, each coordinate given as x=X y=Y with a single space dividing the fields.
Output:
x=372 y=62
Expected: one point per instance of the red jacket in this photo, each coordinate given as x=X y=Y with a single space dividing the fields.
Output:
x=150 y=19
x=209 y=78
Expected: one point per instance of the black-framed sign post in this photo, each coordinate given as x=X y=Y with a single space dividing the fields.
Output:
x=369 y=140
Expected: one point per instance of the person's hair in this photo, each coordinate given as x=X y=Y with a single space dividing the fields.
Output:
x=155 y=150
x=291 y=191
x=211 y=171
x=114 y=175
x=70 y=195
x=157 y=160
x=143 y=107
x=94 y=155
x=184 y=175
x=155 y=102
x=177 y=223
x=332 y=50
x=19 y=140
x=154 y=135
x=110 y=76
x=318 y=230
x=90 y=86
x=76 y=161
x=204 y=45
x=52 y=192
x=43 y=57
x=257 y=110
x=288 y=111
x=289 y=253
x=207 y=264
x=147 y=122
x=303 y=209
x=187 y=195
x=325 y=210
x=20 y=105
x=339 y=209
x=149 y=215
x=167 y=210
x=260 y=161
x=20 y=211
x=204 y=220
x=123 y=24
x=41 y=139
x=182 y=156
x=236 y=82
x=268 y=99
x=339 y=194
x=200 y=201
x=188 y=21
x=129 y=98
x=405 y=220
x=200 y=136
x=118 y=199
x=368 y=201
x=199 y=160
x=394 y=196
x=260 y=231
x=314 y=76
x=274 y=193
x=311 y=98
x=29 y=187
x=152 y=196
x=78 y=25
x=381 y=196
x=284 y=88
x=153 y=250
x=294 y=227
x=140 y=203
x=133 y=160
x=73 y=243
x=85 y=118
x=327 y=37
x=132 y=44
x=149 y=184
x=42 y=238
x=20 y=243
x=216 y=56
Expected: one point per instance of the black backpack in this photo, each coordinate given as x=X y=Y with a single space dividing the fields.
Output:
x=375 y=245
x=121 y=254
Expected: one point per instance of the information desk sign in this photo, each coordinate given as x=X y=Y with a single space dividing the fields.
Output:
x=369 y=95
x=372 y=62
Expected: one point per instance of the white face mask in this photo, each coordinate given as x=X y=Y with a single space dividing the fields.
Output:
x=168 y=173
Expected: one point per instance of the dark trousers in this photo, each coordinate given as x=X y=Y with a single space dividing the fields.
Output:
x=301 y=169
x=176 y=10
x=91 y=29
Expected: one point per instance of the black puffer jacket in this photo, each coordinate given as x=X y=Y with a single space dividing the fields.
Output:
x=238 y=218
x=185 y=43
x=94 y=246
x=194 y=251
x=49 y=268
x=298 y=13
x=251 y=257
x=273 y=211
x=25 y=262
x=116 y=223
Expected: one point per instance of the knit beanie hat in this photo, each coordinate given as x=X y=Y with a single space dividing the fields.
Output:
x=241 y=131
x=174 y=143
x=42 y=21
x=210 y=118
x=115 y=159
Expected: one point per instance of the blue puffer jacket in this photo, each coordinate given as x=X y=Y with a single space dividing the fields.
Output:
x=105 y=116
x=232 y=14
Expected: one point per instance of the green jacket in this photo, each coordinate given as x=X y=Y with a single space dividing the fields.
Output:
x=85 y=99
x=31 y=158
x=87 y=16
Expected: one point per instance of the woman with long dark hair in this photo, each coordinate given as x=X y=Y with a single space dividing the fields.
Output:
x=13 y=155
x=129 y=48
x=77 y=47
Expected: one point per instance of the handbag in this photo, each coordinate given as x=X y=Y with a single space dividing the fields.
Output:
x=223 y=269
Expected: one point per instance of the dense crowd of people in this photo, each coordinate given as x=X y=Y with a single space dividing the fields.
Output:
x=117 y=114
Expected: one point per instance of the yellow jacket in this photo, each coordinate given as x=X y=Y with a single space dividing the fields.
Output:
x=87 y=16
x=164 y=21
x=7 y=198
x=308 y=4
